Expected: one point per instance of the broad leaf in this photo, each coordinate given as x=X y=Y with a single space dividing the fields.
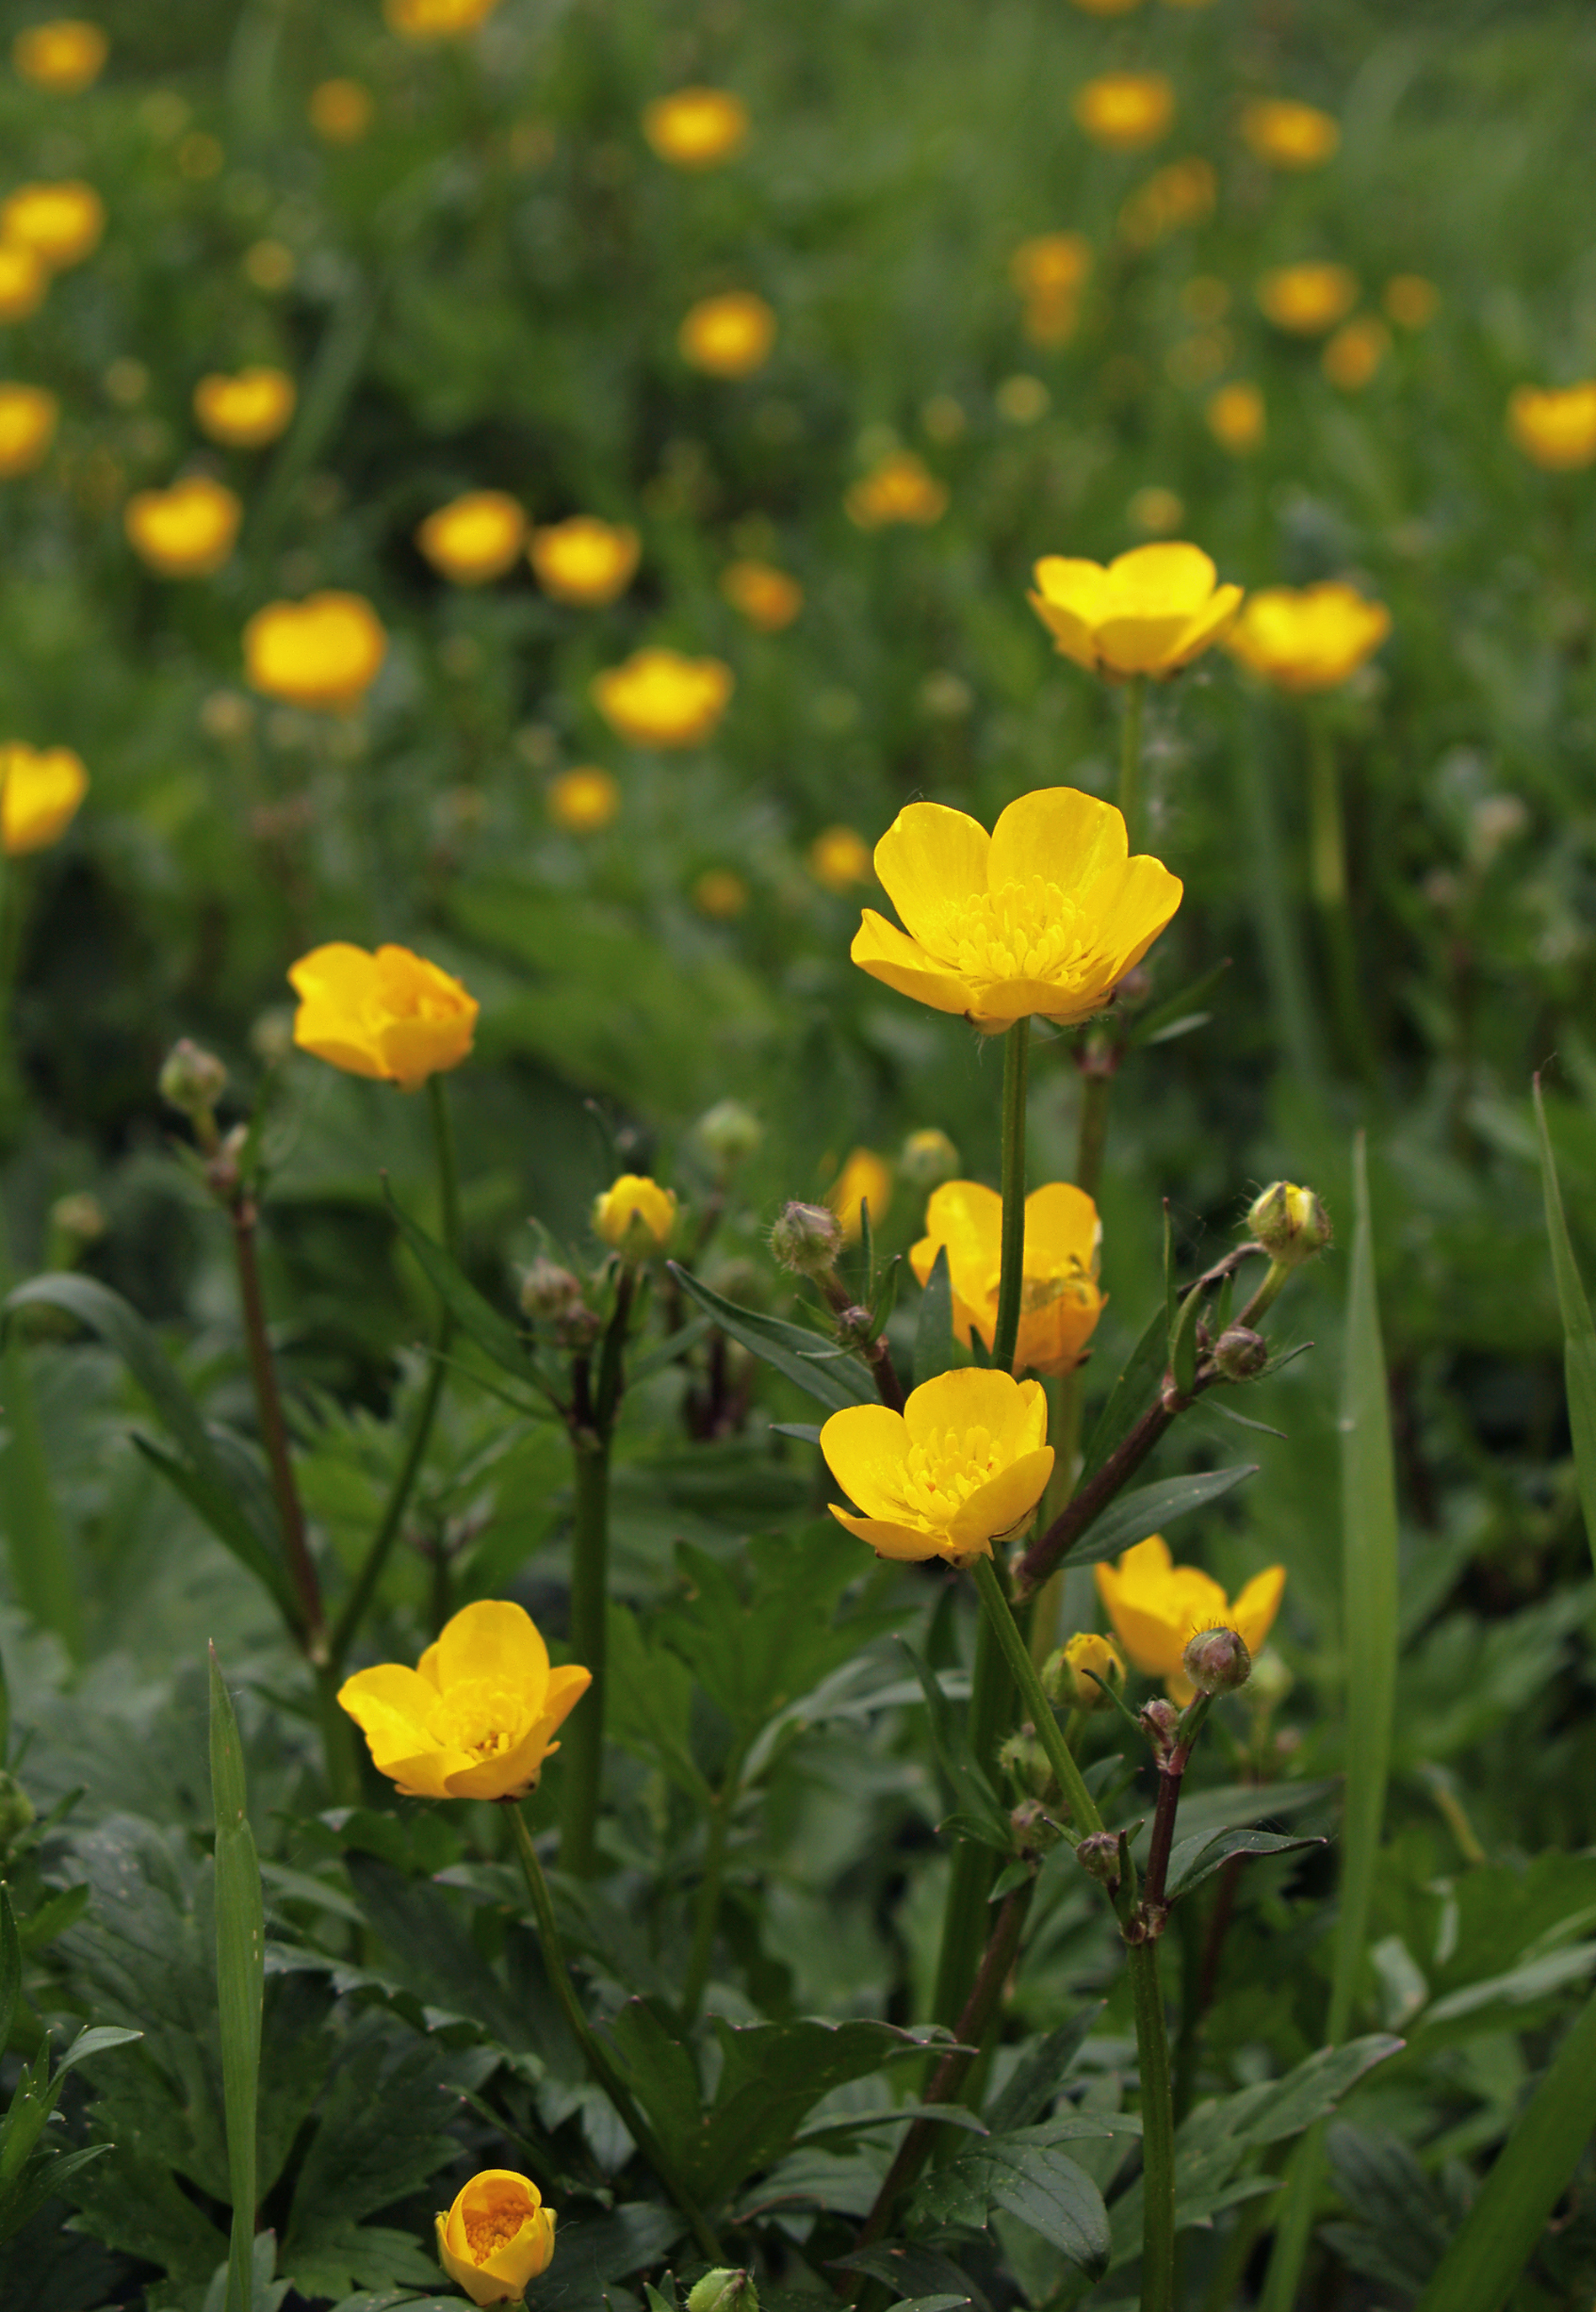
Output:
x=1149 y=1508
x=936 y=1350
x=1028 y=2177
x=835 y=1378
x=1197 y=1859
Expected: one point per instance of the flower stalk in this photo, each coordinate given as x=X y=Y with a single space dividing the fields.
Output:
x=1130 y=759
x=593 y=1405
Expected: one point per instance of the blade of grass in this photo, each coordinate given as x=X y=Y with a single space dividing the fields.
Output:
x=240 y=1980
x=1579 y=1332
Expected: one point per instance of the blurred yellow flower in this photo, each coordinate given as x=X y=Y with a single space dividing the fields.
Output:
x=1411 y=302
x=1236 y=416
x=1307 y=639
x=23 y=279
x=1288 y=134
x=1060 y=1303
x=474 y=538
x=730 y=335
x=635 y=1211
x=721 y=895
x=1150 y=611
x=962 y=1466
x=1554 y=426
x=40 y=792
x=897 y=489
x=496 y=2237
x=1156 y=512
x=1045 y=915
x=660 y=698
x=584 y=560
x=1050 y=270
x=392 y=1015
x=475 y=1718
x=766 y=596
x=187 y=531
x=1107 y=7
x=583 y=801
x=341 y=111
x=63 y=55
x=247 y=410
x=697 y=128
x=840 y=858
x=1022 y=399
x=1184 y=193
x=865 y=1179
x=1125 y=112
x=1356 y=351
x=1307 y=300
x=436 y=20
x=325 y=651
x=28 y=417
x=60 y=223
x=1156 y=1606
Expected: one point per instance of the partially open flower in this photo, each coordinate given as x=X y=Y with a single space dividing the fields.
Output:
x=1288 y=134
x=1236 y=416
x=64 y=56
x=1125 y=112
x=1309 y=638
x=635 y=1214
x=1157 y=1607
x=392 y=1014
x=474 y=538
x=28 y=417
x=325 y=651
x=1086 y=1672
x=496 y=2237
x=245 y=411
x=1307 y=300
x=583 y=801
x=1060 y=1302
x=1290 y=1223
x=1555 y=427
x=60 y=223
x=187 y=531
x=696 y=129
x=962 y=1466
x=584 y=560
x=730 y=335
x=40 y=792
x=1150 y=611
x=660 y=698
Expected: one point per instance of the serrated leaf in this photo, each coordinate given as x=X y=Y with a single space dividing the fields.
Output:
x=1197 y=1859
x=1031 y=2179
x=1149 y=1508
x=803 y=1357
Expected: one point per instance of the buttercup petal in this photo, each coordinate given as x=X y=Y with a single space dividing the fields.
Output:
x=1069 y=631
x=1061 y=1228
x=1208 y=625
x=427 y=1774
x=1253 y=1612
x=1067 y=582
x=1005 y=1503
x=965 y=1217
x=864 y=1447
x=905 y=1543
x=1145 y=905
x=929 y=859
x=391 y=1699
x=968 y=1397
x=1167 y=574
x=493 y=1640
x=890 y=955
x=1069 y=837
x=1143 y=641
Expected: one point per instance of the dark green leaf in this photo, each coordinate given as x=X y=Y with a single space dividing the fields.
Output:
x=771 y=2075
x=1149 y=1508
x=1579 y=1331
x=967 y=1787
x=240 y=1978
x=1182 y=1341
x=1127 y=1398
x=1197 y=1859
x=216 y=1507
x=1180 y=1014
x=936 y=1350
x=477 y=1318
x=1037 y=2077
x=1026 y=2176
x=10 y=1964
x=913 y=2272
x=835 y=1378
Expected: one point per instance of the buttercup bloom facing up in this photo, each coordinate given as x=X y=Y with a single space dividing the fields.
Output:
x=28 y=417
x=840 y=858
x=187 y=531
x=1555 y=427
x=1356 y=351
x=584 y=560
x=61 y=223
x=1045 y=915
x=763 y=595
x=341 y=110
x=864 y=1178
x=1125 y=112
x=729 y=335
x=40 y=792
x=1236 y=416
x=436 y=20
x=1060 y=1303
x=496 y=2237
x=635 y=1211
x=23 y=279
x=1156 y=1606
x=1307 y=300
x=1309 y=638
x=898 y=489
x=1288 y=134
x=962 y=1466
x=476 y=1716
x=392 y=1015
x=63 y=55
x=325 y=651
x=660 y=698
x=583 y=801
x=474 y=538
x=246 y=410
x=697 y=128
x=1150 y=611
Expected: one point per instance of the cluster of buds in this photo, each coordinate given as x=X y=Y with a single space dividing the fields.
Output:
x=552 y=1295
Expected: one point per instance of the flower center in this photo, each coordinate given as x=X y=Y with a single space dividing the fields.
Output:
x=488 y=2229
x=483 y=1721
x=1025 y=931
x=940 y=1474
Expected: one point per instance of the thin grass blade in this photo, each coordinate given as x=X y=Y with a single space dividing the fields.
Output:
x=1579 y=1332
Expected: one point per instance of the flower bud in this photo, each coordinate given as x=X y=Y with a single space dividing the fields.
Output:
x=1158 y=1720
x=1023 y=1758
x=1098 y=1856
x=928 y=1158
x=549 y=1293
x=222 y=1174
x=636 y=1215
x=855 y=1328
x=1064 y=1674
x=1271 y=1681
x=1217 y=1661
x=1032 y=1826
x=806 y=1239
x=1240 y=1353
x=1290 y=1223
x=191 y=1080
x=729 y=1133
x=724 y=2290
x=81 y=1217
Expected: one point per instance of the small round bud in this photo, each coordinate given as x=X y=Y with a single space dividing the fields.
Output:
x=1240 y=1353
x=222 y=1174
x=191 y=1080
x=1066 y=1675
x=1098 y=1857
x=272 y=1034
x=549 y=1292
x=1023 y=1758
x=1290 y=1223
x=81 y=1217
x=729 y=1133
x=1158 y=1720
x=855 y=1328
x=16 y=1811
x=724 y=2290
x=1032 y=1826
x=806 y=1239
x=928 y=1158
x=1217 y=1661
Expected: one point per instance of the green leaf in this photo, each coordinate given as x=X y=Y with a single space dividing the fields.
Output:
x=835 y=1378
x=1038 y=2075
x=1030 y=2178
x=1129 y=1396
x=10 y=1964
x=216 y=1507
x=1182 y=1341
x=913 y=2272
x=477 y=1318
x=1579 y=1331
x=1197 y=1859
x=1131 y=1516
x=1180 y=1014
x=936 y=1350
x=964 y=1780
x=240 y=1980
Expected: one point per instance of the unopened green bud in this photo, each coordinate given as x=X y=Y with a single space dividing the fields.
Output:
x=1023 y=1758
x=272 y=1034
x=1290 y=1223
x=729 y=1133
x=855 y=1326
x=1217 y=1661
x=1034 y=1827
x=1158 y=1720
x=1240 y=1353
x=806 y=1239
x=724 y=2290
x=16 y=1811
x=1071 y=1676
x=549 y=1292
x=1271 y=1681
x=192 y=1081
x=1098 y=1856
x=928 y=1158
x=82 y=1217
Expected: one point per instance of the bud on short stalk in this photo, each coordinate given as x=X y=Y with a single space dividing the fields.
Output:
x=1217 y=1661
x=192 y=1081
x=1240 y=1353
x=549 y=1293
x=1077 y=1677
x=1098 y=1857
x=1160 y=1720
x=1290 y=1223
x=807 y=1240
x=724 y=2290
x=729 y=1133
x=855 y=1326
x=1023 y=1758
x=1034 y=1827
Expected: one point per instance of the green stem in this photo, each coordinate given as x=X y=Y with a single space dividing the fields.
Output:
x=1276 y=912
x=966 y=1911
x=589 y=1581
x=274 y=1435
x=1130 y=761
x=1158 y=2129
x=598 y=2063
x=1038 y=1709
x=708 y=1911
x=1017 y=1056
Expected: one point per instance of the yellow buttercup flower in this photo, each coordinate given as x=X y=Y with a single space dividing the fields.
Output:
x=1309 y=638
x=865 y=1179
x=475 y=1719
x=897 y=489
x=1125 y=112
x=436 y=20
x=1051 y=262
x=838 y=858
x=763 y=595
x=1288 y=134
x=28 y=417
x=23 y=279
x=1554 y=427
x=1045 y=915
x=246 y=410
x=583 y=801
x=60 y=223
x=584 y=560
x=341 y=111
x=1157 y=1606
x=1236 y=416
x=1307 y=300
x=635 y=1211
x=1356 y=351
x=63 y=55
x=496 y=2237
x=1107 y=7
x=697 y=128
x=962 y=1466
x=474 y=538
x=730 y=335
x=187 y=531
x=391 y=1015
x=325 y=651
x=1150 y=611
x=40 y=792
x=1060 y=1303
x=1411 y=302
x=660 y=698
x=1184 y=193
x=721 y=895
